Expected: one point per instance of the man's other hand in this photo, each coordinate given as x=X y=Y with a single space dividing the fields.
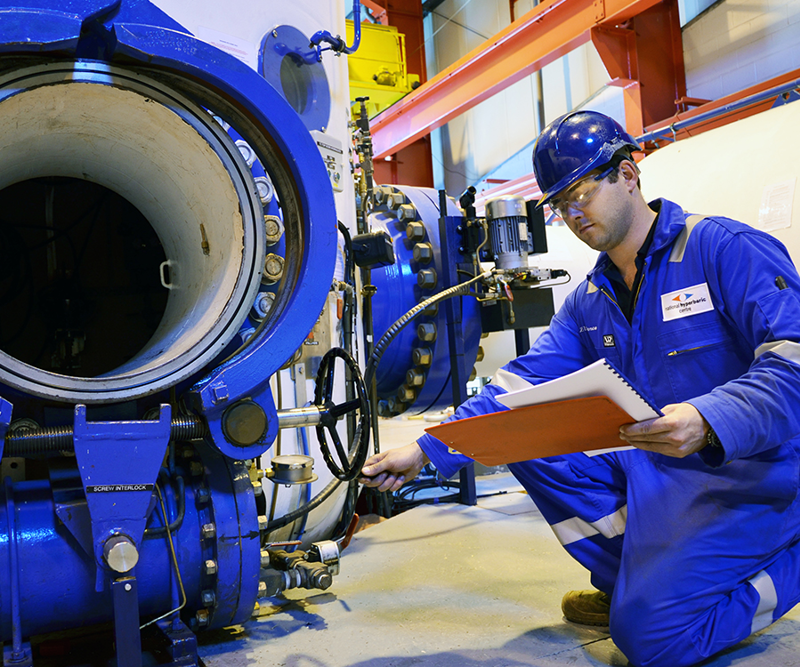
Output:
x=391 y=469
x=680 y=432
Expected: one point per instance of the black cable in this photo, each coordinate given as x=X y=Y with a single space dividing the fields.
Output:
x=178 y=522
x=321 y=497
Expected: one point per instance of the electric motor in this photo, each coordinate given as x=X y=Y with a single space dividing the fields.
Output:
x=508 y=232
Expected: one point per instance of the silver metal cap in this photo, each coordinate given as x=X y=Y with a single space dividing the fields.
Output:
x=505 y=207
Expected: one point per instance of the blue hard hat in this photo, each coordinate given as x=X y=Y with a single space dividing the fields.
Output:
x=572 y=146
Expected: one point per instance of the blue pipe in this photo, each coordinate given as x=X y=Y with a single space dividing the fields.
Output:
x=55 y=573
x=667 y=132
x=337 y=44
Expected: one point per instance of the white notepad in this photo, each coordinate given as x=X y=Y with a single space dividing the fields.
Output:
x=598 y=379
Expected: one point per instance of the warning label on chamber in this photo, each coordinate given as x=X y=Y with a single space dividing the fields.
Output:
x=114 y=488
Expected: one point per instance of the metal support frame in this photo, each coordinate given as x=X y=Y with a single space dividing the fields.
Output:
x=124 y=593
x=181 y=643
x=644 y=57
x=467 y=494
x=547 y=32
x=19 y=653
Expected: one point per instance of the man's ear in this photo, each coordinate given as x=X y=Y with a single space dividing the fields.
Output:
x=629 y=173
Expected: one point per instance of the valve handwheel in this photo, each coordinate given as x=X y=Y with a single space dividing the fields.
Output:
x=351 y=461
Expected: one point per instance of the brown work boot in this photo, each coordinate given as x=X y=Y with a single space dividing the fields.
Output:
x=586 y=607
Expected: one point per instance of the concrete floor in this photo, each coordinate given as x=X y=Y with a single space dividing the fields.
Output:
x=449 y=585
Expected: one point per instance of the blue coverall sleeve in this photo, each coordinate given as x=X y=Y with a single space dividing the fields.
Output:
x=760 y=409
x=556 y=352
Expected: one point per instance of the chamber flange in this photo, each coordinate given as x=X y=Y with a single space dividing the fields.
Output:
x=168 y=157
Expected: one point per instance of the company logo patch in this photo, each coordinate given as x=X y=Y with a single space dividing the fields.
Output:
x=689 y=301
x=608 y=340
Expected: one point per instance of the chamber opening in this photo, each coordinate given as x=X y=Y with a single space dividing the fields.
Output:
x=79 y=276
x=162 y=292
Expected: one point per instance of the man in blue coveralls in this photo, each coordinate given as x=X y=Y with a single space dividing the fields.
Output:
x=692 y=537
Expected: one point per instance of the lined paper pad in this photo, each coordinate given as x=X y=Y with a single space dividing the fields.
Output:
x=598 y=379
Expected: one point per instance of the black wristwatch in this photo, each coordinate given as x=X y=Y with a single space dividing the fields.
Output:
x=712 y=440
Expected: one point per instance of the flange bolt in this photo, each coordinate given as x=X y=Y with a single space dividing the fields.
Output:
x=415 y=231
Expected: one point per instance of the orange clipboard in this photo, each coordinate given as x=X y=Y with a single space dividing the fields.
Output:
x=536 y=431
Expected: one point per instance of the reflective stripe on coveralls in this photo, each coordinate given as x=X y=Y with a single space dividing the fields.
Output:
x=575 y=529
x=784 y=348
x=765 y=588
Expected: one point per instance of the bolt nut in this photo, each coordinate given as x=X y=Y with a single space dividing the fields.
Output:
x=202 y=617
x=423 y=253
x=247 y=152
x=273 y=226
x=273 y=269
x=406 y=212
x=414 y=378
x=210 y=566
x=209 y=598
x=265 y=189
x=426 y=278
x=422 y=356
x=381 y=194
x=258 y=489
x=431 y=311
x=323 y=581
x=395 y=406
x=208 y=531
x=395 y=200
x=406 y=394
x=263 y=304
x=481 y=354
x=264 y=558
x=415 y=231
x=426 y=331
x=262 y=589
x=202 y=495
x=263 y=522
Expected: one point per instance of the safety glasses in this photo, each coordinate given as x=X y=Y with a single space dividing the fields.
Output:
x=580 y=194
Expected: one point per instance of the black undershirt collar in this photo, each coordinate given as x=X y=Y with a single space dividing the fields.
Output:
x=624 y=296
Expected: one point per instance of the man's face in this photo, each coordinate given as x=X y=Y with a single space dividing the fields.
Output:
x=595 y=210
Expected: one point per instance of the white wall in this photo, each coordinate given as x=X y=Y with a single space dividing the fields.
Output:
x=739 y=43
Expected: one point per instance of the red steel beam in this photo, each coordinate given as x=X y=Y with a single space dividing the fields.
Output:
x=525 y=186
x=544 y=34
